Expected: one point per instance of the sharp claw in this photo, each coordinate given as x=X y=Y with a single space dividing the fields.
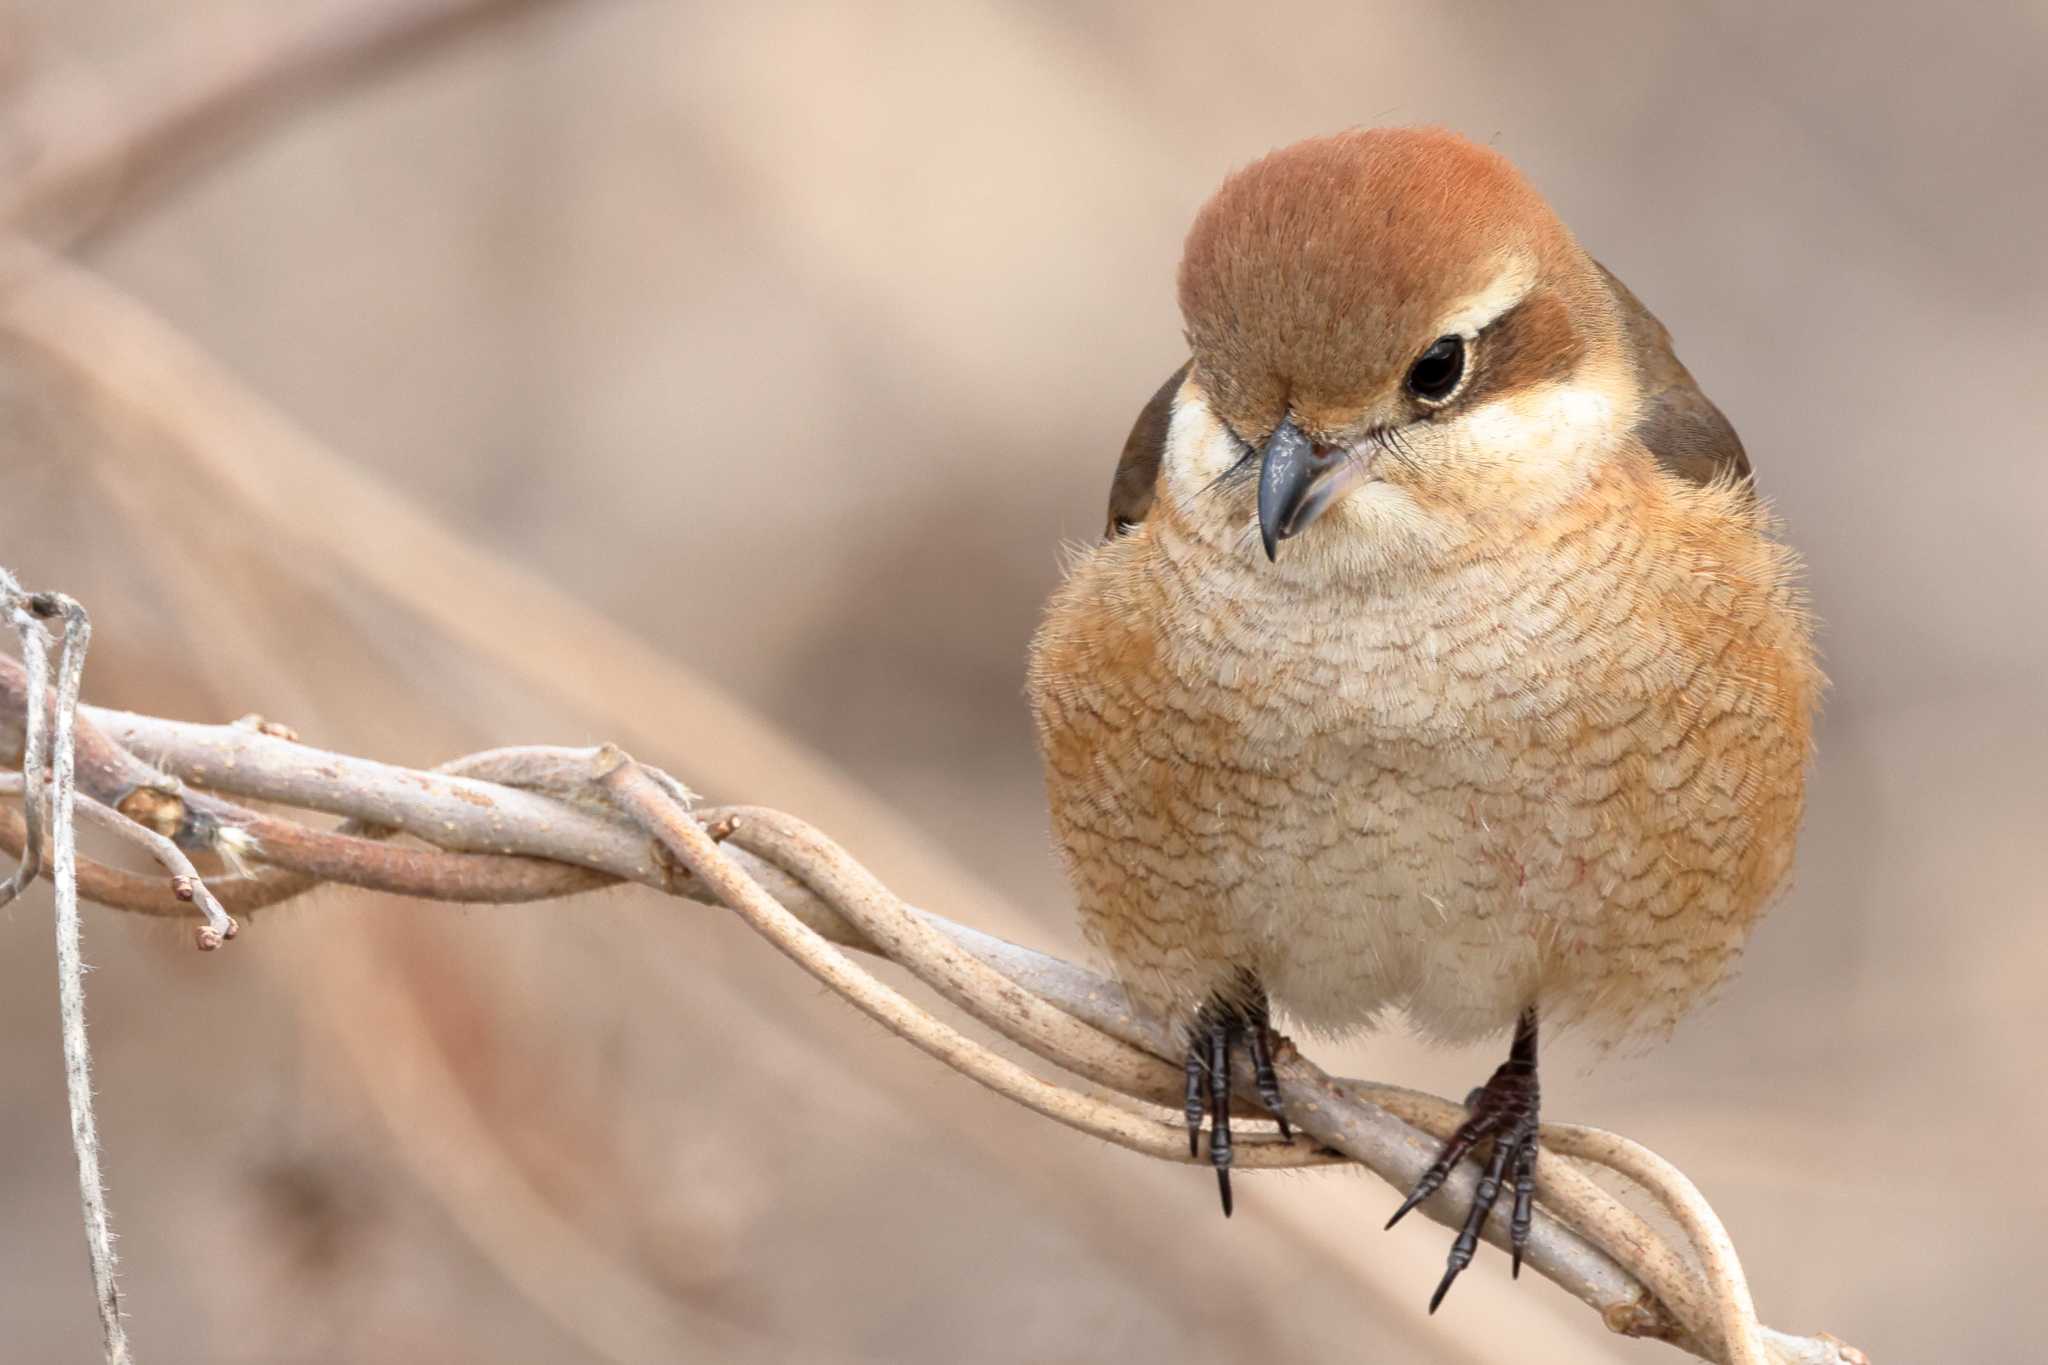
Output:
x=1525 y=1196
x=1219 y=1108
x=1415 y=1197
x=1462 y=1141
x=1503 y=1111
x=1443 y=1287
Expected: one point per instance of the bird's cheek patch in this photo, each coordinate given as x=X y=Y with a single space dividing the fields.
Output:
x=1199 y=449
x=1541 y=433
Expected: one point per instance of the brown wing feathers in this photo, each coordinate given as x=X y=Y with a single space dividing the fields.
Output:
x=1137 y=471
x=1680 y=425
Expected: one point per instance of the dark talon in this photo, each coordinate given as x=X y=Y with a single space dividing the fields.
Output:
x=1217 y=1028
x=1260 y=1036
x=1525 y=1196
x=1470 y=1134
x=1219 y=1105
x=1483 y=1199
x=1504 y=1114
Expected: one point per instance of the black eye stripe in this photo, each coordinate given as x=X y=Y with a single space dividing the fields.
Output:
x=1437 y=372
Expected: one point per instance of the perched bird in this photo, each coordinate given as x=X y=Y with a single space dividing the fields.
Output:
x=1514 y=728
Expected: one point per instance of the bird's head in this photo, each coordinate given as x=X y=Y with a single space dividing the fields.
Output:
x=1398 y=351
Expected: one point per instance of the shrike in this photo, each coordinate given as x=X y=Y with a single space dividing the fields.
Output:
x=1440 y=657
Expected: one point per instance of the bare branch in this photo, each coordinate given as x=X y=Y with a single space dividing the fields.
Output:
x=901 y=935
x=654 y=803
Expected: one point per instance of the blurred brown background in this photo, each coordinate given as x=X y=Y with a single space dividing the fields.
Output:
x=794 y=340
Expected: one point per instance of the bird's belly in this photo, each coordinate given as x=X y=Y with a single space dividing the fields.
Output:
x=1410 y=881
x=1463 y=882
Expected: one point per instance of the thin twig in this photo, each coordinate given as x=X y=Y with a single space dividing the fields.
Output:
x=119 y=889
x=1741 y=1335
x=652 y=803
x=986 y=994
x=187 y=886
x=29 y=610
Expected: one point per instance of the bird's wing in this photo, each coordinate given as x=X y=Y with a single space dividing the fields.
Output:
x=1680 y=425
x=1137 y=472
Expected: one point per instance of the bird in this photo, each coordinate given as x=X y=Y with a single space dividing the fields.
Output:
x=1440 y=659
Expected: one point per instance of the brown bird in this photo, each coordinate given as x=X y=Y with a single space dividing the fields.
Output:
x=1515 y=730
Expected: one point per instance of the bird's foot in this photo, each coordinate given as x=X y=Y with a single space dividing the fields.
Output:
x=1218 y=1029
x=1502 y=1113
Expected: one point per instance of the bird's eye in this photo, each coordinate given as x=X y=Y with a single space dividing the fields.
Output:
x=1435 y=375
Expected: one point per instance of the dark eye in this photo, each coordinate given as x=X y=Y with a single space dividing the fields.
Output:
x=1435 y=374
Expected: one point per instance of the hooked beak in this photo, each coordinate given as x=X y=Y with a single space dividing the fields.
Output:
x=1298 y=480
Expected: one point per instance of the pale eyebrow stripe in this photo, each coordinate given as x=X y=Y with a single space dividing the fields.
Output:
x=1472 y=314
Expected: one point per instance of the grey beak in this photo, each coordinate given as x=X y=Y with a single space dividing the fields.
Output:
x=1290 y=469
